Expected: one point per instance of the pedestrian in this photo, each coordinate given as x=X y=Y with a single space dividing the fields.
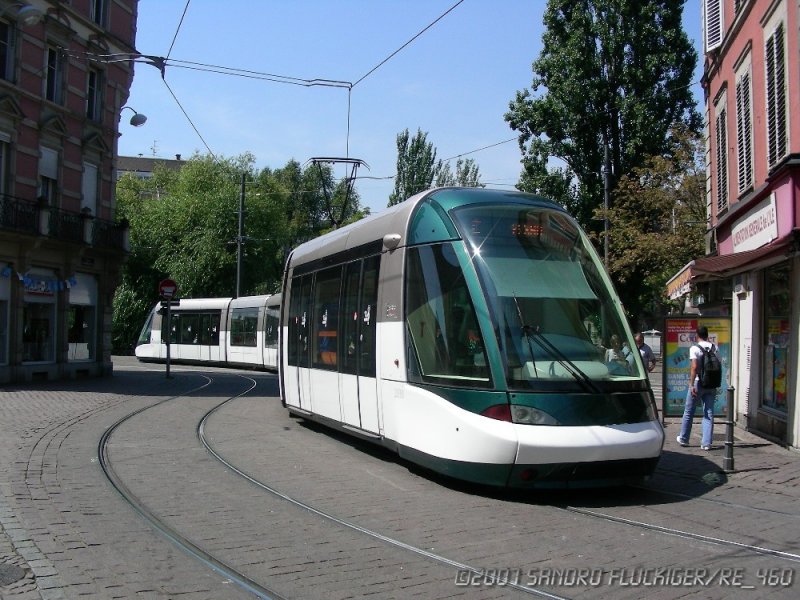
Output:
x=648 y=358
x=697 y=393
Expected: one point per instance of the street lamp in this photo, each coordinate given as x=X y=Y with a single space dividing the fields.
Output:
x=25 y=13
x=138 y=119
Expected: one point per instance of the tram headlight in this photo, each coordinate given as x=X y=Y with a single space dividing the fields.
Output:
x=527 y=415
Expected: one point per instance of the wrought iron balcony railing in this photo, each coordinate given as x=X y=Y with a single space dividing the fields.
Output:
x=34 y=218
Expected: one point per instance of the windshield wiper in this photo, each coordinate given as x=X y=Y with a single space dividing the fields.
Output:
x=527 y=337
x=534 y=332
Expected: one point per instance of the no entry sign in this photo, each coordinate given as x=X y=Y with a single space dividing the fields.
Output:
x=168 y=289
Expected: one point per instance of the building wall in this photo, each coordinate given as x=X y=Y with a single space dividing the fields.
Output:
x=766 y=291
x=60 y=265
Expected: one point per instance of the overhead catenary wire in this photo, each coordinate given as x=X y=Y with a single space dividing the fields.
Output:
x=163 y=62
x=188 y=118
x=480 y=149
x=175 y=37
x=388 y=58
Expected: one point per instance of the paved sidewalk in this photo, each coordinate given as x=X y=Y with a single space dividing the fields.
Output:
x=27 y=574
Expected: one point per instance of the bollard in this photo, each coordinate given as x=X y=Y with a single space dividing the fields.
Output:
x=727 y=459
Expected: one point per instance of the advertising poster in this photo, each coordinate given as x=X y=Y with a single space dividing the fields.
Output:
x=679 y=337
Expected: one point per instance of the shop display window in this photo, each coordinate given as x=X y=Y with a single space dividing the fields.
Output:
x=777 y=303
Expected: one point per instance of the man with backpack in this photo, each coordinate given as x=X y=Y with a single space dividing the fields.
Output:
x=705 y=377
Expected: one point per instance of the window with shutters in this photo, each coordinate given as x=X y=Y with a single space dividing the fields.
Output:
x=89 y=187
x=54 y=81
x=744 y=129
x=712 y=24
x=6 y=51
x=775 y=73
x=99 y=10
x=721 y=156
x=48 y=176
x=94 y=101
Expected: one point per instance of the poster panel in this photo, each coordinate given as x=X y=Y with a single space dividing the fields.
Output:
x=680 y=336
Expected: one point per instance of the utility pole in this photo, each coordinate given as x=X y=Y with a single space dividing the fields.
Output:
x=239 y=241
x=606 y=191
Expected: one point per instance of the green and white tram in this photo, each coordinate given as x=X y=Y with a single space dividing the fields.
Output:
x=476 y=333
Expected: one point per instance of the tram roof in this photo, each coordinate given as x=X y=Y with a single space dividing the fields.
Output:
x=202 y=303
x=251 y=301
x=396 y=219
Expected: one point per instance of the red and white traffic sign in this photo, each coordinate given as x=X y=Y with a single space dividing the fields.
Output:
x=168 y=289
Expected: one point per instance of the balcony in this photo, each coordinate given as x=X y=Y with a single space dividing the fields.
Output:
x=33 y=218
x=18 y=215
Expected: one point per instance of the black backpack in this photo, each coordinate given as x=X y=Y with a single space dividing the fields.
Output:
x=710 y=368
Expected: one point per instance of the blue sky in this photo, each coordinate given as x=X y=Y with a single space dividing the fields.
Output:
x=454 y=81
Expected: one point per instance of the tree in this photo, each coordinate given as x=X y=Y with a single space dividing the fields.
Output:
x=467 y=174
x=657 y=222
x=184 y=225
x=416 y=166
x=614 y=72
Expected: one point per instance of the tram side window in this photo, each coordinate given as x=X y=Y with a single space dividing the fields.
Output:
x=350 y=310
x=244 y=326
x=208 y=328
x=174 y=327
x=359 y=317
x=298 y=321
x=445 y=341
x=189 y=329
x=368 y=316
x=293 y=326
x=326 y=318
x=212 y=328
x=271 y=327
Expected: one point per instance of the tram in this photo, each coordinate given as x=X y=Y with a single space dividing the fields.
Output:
x=236 y=332
x=476 y=333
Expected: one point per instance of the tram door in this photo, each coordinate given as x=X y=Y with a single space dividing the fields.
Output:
x=357 y=384
x=302 y=327
x=271 y=316
x=209 y=333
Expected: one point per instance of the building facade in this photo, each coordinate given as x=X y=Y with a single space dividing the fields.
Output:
x=751 y=272
x=60 y=248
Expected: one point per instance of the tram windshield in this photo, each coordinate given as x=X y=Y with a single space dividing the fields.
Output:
x=553 y=310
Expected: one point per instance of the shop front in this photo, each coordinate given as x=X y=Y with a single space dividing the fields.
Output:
x=757 y=283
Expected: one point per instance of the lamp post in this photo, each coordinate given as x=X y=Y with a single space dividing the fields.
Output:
x=138 y=119
x=25 y=13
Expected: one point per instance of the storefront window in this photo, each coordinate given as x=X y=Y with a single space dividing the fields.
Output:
x=82 y=318
x=3 y=331
x=5 y=291
x=776 y=337
x=80 y=333
x=38 y=332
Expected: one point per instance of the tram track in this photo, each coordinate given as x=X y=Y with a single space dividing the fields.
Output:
x=788 y=556
x=235 y=575
x=249 y=585
x=159 y=524
x=462 y=567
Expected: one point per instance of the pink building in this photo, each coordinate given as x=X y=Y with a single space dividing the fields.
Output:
x=60 y=248
x=752 y=270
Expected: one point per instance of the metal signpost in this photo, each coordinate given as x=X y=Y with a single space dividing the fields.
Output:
x=167 y=289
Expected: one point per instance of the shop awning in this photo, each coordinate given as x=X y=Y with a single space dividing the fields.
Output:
x=715 y=267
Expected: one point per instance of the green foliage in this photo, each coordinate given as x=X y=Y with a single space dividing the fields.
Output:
x=657 y=223
x=467 y=174
x=610 y=71
x=415 y=166
x=418 y=170
x=185 y=225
